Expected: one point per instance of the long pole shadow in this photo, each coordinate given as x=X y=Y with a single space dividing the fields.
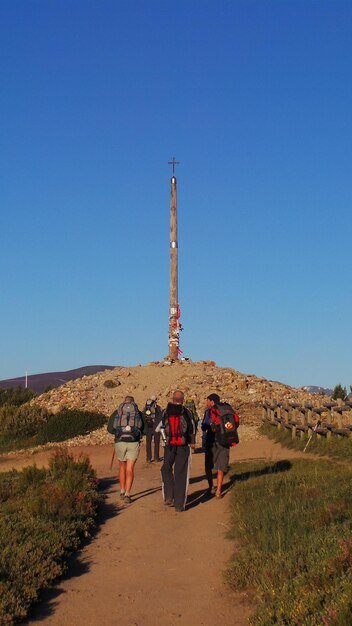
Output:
x=279 y=466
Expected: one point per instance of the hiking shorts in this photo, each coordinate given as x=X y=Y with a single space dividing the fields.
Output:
x=127 y=451
x=217 y=457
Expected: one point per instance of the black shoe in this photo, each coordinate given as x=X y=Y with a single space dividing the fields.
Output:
x=179 y=510
x=158 y=460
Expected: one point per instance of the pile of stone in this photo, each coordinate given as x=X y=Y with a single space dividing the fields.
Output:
x=104 y=391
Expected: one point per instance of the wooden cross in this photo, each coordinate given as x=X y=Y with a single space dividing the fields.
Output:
x=173 y=163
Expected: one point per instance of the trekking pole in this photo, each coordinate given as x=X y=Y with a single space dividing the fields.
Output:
x=112 y=458
x=313 y=431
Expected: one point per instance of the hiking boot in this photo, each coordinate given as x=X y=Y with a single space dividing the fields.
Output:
x=127 y=499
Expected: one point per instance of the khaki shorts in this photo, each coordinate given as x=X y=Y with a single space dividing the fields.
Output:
x=127 y=451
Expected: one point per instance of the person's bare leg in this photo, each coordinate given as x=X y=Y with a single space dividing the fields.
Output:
x=122 y=475
x=220 y=480
x=129 y=475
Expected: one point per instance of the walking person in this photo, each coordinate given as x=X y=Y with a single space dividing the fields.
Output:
x=127 y=424
x=208 y=440
x=191 y=406
x=178 y=429
x=219 y=426
x=152 y=415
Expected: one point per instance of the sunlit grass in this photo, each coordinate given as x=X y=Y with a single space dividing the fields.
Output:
x=292 y=523
x=334 y=447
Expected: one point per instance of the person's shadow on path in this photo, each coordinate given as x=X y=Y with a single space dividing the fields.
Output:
x=146 y=492
x=201 y=496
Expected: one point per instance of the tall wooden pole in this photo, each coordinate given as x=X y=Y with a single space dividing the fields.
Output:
x=174 y=325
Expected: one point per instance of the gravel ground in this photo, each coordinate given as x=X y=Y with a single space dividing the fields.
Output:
x=101 y=437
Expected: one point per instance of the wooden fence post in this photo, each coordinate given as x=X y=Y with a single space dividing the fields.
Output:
x=303 y=420
x=309 y=420
x=278 y=417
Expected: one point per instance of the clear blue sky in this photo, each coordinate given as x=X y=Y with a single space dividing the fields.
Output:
x=254 y=98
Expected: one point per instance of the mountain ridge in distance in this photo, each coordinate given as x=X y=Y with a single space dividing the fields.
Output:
x=40 y=382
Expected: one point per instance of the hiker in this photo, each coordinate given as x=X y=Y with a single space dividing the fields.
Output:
x=127 y=424
x=178 y=431
x=191 y=406
x=152 y=415
x=219 y=426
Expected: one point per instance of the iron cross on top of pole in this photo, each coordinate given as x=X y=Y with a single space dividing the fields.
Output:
x=173 y=163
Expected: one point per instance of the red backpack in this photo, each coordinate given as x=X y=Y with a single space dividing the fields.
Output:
x=224 y=423
x=176 y=427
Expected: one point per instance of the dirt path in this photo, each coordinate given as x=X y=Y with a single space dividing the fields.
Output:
x=148 y=564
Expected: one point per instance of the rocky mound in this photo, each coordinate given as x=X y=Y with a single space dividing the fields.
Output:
x=105 y=390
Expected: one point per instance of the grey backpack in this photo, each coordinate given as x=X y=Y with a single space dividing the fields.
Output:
x=128 y=423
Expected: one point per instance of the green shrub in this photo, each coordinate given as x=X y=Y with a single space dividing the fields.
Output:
x=31 y=477
x=48 y=388
x=22 y=421
x=339 y=392
x=43 y=518
x=110 y=384
x=15 y=396
x=69 y=423
x=294 y=551
x=8 y=486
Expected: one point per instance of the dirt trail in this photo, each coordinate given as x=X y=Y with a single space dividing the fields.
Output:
x=148 y=564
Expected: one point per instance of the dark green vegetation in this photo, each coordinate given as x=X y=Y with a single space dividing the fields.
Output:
x=292 y=525
x=340 y=392
x=44 y=515
x=69 y=423
x=24 y=426
x=15 y=396
x=110 y=384
x=333 y=447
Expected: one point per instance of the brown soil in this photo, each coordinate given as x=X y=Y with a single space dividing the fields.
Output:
x=148 y=564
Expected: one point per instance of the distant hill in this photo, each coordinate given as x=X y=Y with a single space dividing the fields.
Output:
x=39 y=382
x=322 y=390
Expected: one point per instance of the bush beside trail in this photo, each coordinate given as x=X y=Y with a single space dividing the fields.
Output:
x=27 y=425
x=69 y=423
x=293 y=521
x=44 y=515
